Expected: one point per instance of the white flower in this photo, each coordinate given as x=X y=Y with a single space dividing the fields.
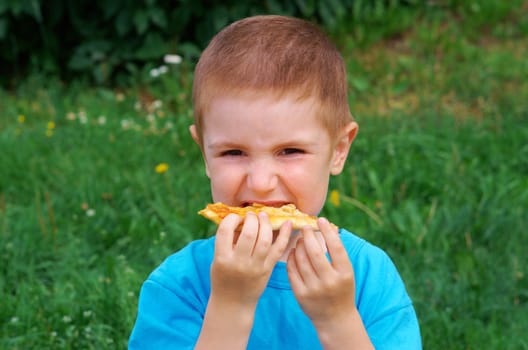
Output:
x=119 y=96
x=101 y=120
x=154 y=72
x=157 y=104
x=90 y=212
x=125 y=124
x=83 y=118
x=172 y=59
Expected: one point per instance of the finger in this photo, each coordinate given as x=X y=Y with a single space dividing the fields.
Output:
x=304 y=265
x=281 y=242
x=336 y=250
x=264 y=238
x=315 y=252
x=226 y=232
x=248 y=235
x=294 y=276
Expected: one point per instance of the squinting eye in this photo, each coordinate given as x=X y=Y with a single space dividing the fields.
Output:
x=231 y=152
x=289 y=151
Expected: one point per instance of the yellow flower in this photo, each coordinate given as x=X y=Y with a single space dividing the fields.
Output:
x=334 y=198
x=51 y=125
x=21 y=118
x=161 y=168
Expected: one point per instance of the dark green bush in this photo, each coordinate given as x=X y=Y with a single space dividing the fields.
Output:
x=108 y=41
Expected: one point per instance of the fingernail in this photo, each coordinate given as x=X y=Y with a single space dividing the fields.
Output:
x=323 y=220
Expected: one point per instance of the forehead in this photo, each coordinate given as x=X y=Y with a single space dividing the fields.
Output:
x=267 y=109
x=261 y=118
x=273 y=102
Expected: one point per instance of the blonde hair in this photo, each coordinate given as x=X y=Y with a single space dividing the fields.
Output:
x=278 y=55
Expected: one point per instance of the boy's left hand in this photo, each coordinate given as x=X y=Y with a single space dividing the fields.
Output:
x=324 y=289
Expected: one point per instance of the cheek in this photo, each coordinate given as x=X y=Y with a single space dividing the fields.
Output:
x=223 y=184
x=310 y=191
x=315 y=200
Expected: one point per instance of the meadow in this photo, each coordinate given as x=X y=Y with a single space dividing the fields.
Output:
x=99 y=185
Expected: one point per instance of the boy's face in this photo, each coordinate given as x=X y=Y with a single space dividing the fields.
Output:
x=270 y=151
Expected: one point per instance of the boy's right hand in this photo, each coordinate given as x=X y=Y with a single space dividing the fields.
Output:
x=242 y=265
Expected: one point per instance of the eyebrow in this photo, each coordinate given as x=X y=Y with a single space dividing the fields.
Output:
x=223 y=144
x=287 y=144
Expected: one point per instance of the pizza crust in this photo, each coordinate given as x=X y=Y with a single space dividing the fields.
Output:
x=277 y=216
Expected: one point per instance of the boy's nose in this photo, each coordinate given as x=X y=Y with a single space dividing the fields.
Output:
x=261 y=176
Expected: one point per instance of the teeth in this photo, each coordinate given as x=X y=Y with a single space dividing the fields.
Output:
x=276 y=205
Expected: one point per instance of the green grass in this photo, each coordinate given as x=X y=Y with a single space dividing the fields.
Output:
x=438 y=177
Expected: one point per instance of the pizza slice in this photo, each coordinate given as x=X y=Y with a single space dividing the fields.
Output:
x=277 y=216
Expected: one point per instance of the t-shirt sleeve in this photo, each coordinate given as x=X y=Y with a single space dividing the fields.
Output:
x=171 y=306
x=382 y=300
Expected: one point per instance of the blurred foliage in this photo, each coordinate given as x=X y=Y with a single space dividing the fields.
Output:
x=114 y=43
x=108 y=42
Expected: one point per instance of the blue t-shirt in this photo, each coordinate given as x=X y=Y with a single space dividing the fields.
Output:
x=173 y=300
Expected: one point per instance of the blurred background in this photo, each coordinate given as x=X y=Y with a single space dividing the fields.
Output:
x=100 y=180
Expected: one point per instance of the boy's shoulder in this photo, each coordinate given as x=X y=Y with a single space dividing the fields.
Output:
x=191 y=262
x=198 y=250
x=378 y=281
x=367 y=258
x=359 y=248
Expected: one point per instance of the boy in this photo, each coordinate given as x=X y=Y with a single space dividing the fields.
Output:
x=273 y=123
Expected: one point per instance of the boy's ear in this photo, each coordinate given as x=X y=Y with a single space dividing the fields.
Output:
x=194 y=135
x=342 y=147
x=196 y=138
